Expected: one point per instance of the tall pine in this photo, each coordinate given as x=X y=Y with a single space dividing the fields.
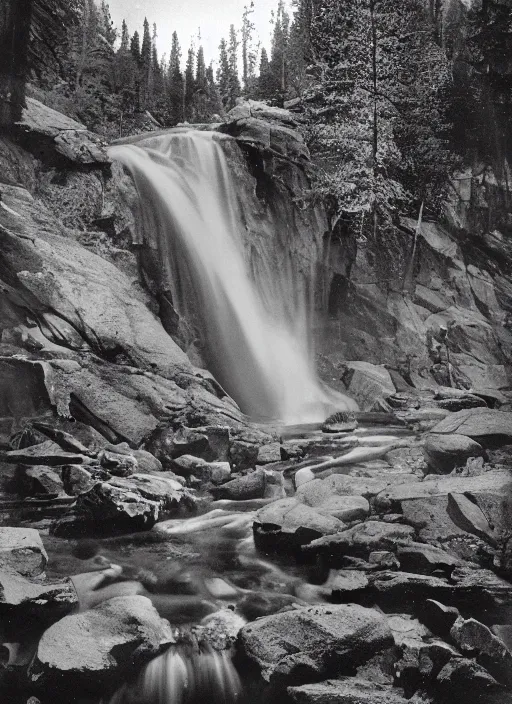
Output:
x=175 y=83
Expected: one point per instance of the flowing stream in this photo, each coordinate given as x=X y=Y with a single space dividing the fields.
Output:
x=254 y=321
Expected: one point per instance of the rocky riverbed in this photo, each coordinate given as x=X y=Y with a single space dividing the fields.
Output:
x=349 y=563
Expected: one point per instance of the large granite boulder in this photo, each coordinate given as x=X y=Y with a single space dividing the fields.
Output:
x=27 y=605
x=59 y=138
x=296 y=646
x=288 y=523
x=97 y=649
x=125 y=504
x=444 y=452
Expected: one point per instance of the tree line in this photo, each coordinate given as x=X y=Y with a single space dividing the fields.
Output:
x=105 y=76
x=385 y=108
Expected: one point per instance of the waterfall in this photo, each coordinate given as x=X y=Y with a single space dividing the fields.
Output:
x=253 y=320
x=183 y=675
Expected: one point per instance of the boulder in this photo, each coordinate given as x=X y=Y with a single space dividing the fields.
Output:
x=485 y=425
x=315 y=492
x=28 y=606
x=250 y=486
x=170 y=494
x=120 y=464
x=108 y=507
x=346 y=690
x=220 y=629
x=99 y=648
x=269 y=453
x=289 y=523
x=34 y=481
x=22 y=551
x=361 y=540
x=425 y=559
x=132 y=503
x=209 y=443
x=367 y=383
x=77 y=479
x=297 y=645
x=475 y=639
x=54 y=135
x=468 y=516
x=445 y=452
x=343 y=583
x=438 y=617
x=214 y=472
x=465 y=680
x=345 y=508
x=47 y=453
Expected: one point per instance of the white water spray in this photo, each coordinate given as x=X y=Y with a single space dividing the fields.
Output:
x=254 y=327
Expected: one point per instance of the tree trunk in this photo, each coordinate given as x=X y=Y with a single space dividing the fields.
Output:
x=15 y=20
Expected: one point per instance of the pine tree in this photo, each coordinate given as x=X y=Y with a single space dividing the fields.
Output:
x=266 y=85
x=223 y=72
x=279 y=50
x=377 y=121
x=247 y=30
x=107 y=26
x=200 y=70
x=135 y=47
x=299 y=53
x=176 y=83
x=125 y=37
x=234 y=88
x=190 y=85
x=146 y=67
x=214 y=107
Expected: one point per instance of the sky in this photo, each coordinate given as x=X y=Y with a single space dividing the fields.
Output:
x=187 y=17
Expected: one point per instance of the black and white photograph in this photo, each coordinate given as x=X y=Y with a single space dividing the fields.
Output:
x=255 y=351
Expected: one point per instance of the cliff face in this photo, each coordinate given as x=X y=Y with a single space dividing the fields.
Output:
x=389 y=299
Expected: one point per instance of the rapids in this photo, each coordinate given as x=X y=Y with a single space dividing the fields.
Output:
x=254 y=321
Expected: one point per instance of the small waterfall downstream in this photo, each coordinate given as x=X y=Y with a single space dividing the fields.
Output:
x=253 y=320
x=183 y=675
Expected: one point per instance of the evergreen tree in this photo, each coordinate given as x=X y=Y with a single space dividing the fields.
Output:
x=214 y=107
x=146 y=67
x=135 y=48
x=279 y=50
x=200 y=70
x=234 y=88
x=223 y=72
x=108 y=30
x=381 y=75
x=176 y=83
x=299 y=54
x=159 y=101
x=125 y=37
x=266 y=85
x=247 y=30
x=190 y=85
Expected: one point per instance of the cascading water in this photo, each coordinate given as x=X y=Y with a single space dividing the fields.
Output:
x=183 y=675
x=254 y=323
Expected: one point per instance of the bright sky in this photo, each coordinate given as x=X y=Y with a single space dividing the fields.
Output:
x=187 y=17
